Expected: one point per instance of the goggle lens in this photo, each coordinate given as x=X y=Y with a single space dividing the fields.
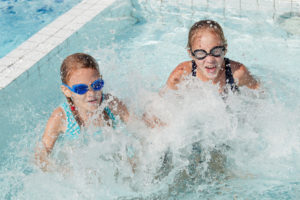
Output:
x=80 y=89
x=97 y=85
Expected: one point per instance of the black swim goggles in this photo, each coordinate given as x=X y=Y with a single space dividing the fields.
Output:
x=200 y=54
x=83 y=88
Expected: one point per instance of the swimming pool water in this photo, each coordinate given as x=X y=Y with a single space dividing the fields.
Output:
x=20 y=19
x=138 y=44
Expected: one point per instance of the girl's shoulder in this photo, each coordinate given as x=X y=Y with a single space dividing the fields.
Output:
x=55 y=125
x=238 y=69
x=59 y=113
x=242 y=75
x=183 y=68
x=235 y=66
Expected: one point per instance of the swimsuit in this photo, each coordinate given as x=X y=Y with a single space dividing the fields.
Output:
x=228 y=74
x=73 y=128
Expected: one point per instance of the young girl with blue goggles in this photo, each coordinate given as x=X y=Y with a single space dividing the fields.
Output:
x=86 y=105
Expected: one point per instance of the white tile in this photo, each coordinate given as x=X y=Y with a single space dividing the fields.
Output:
x=90 y=13
x=67 y=18
x=35 y=55
x=46 y=47
x=66 y=32
x=2 y=67
x=7 y=61
x=106 y=2
x=47 y=39
x=7 y=73
x=15 y=54
x=57 y=24
x=4 y=81
x=82 y=19
x=55 y=40
x=28 y=45
x=15 y=72
x=20 y=66
x=47 y=31
x=37 y=38
x=94 y=1
x=76 y=11
x=85 y=6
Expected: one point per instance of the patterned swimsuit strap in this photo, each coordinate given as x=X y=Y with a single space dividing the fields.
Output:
x=228 y=72
x=229 y=75
x=194 y=67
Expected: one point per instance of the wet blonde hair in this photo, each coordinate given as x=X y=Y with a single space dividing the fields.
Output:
x=205 y=25
x=72 y=63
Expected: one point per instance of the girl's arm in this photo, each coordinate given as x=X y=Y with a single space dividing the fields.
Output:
x=183 y=69
x=53 y=128
x=241 y=73
x=152 y=121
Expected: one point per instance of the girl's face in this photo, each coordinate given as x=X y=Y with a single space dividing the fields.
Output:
x=89 y=101
x=210 y=66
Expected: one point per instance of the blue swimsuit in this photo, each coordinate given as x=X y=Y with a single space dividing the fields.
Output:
x=73 y=128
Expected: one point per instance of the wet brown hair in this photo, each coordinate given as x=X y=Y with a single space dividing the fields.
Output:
x=72 y=63
x=76 y=61
x=206 y=25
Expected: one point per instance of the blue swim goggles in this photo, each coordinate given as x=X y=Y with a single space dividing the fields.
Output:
x=83 y=88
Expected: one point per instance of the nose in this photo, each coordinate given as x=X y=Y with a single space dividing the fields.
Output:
x=90 y=90
x=210 y=58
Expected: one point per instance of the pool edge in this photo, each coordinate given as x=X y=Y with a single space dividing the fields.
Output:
x=47 y=39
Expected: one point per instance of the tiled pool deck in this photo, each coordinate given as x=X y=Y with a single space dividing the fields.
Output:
x=48 y=38
x=44 y=41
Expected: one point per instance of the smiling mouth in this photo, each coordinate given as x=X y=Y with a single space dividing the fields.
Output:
x=210 y=69
x=92 y=101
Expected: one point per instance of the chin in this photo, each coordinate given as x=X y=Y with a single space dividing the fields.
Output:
x=214 y=75
x=93 y=107
x=211 y=76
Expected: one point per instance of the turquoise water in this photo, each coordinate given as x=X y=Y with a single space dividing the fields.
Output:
x=137 y=45
x=20 y=19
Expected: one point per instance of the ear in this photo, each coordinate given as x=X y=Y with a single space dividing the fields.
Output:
x=189 y=52
x=225 y=49
x=66 y=91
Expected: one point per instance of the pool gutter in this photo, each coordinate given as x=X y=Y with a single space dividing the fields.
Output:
x=48 y=38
